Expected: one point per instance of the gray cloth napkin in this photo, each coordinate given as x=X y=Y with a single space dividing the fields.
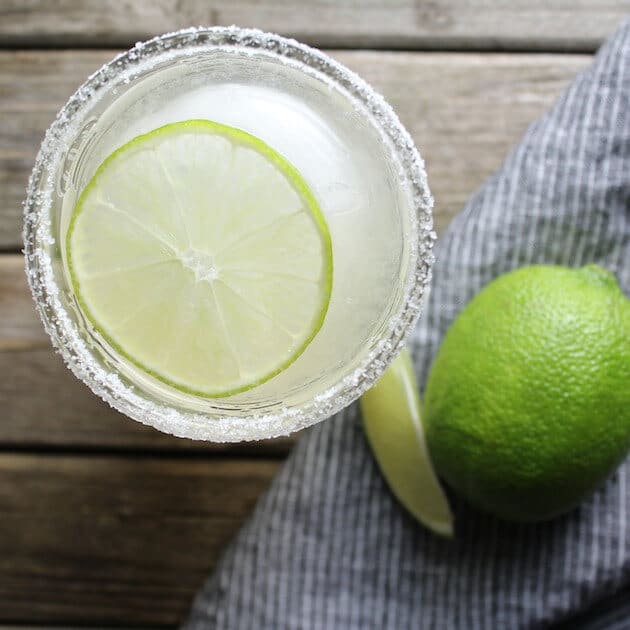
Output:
x=329 y=548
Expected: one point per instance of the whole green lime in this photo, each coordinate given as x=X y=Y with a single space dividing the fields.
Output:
x=527 y=407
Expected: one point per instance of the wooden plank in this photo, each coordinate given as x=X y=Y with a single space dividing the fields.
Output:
x=19 y=324
x=472 y=109
x=116 y=540
x=436 y=24
x=463 y=110
x=44 y=405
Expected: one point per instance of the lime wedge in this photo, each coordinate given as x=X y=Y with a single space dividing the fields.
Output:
x=391 y=420
x=201 y=255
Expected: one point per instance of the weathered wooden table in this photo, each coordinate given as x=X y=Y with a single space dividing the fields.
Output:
x=103 y=521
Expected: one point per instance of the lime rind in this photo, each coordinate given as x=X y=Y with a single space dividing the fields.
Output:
x=236 y=136
x=393 y=426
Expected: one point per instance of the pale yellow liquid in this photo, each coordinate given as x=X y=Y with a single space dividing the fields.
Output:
x=342 y=157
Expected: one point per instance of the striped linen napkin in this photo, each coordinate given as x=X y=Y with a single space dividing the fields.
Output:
x=329 y=548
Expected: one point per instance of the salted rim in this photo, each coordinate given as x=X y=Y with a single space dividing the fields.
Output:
x=65 y=336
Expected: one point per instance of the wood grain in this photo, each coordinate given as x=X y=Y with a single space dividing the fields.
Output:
x=443 y=24
x=20 y=327
x=116 y=540
x=463 y=110
x=43 y=406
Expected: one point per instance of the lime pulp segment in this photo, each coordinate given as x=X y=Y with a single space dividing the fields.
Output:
x=202 y=256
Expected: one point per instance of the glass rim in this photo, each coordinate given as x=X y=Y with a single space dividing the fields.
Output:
x=64 y=332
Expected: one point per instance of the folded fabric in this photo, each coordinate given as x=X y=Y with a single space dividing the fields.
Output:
x=329 y=548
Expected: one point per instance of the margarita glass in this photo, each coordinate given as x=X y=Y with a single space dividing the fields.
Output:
x=336 y=132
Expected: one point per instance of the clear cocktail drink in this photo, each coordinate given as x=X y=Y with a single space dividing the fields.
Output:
x=348 y=147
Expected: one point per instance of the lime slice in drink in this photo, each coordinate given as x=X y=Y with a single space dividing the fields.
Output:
x=391 y=420
x=201 y=255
